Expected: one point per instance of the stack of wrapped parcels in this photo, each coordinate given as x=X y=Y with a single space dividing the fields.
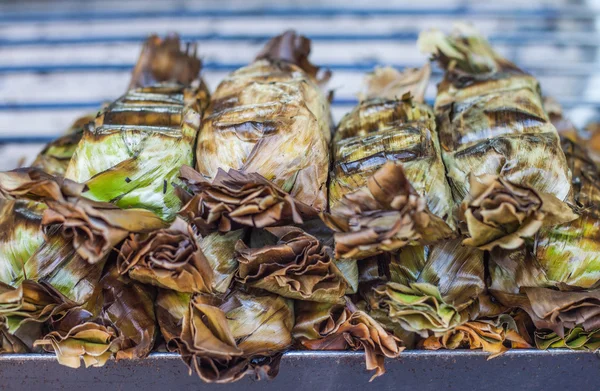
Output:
x=232 y=227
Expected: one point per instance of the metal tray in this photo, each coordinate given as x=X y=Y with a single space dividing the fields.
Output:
x=301 y=370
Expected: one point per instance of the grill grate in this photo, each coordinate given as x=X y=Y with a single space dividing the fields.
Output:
x=61 y=59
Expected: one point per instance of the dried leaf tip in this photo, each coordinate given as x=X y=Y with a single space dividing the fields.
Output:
x=385 y=215
x=389 y=83
x=297 y=267
x=94 y=228
x=337 y=327
x=494 y=336
x=225 y=340
x=499 y=213
x=293 y=48
x=169 y=258
x=237 y=199
x=164 y=60
x=464 y=51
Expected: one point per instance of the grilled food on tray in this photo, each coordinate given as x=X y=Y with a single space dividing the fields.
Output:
x=194 y=221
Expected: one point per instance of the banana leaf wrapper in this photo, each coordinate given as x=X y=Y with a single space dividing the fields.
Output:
x=575 y=339
x=296 y=267
x=30 y=302
x=271 y=118
x=383 y=216
x=327 y=326
x=237 y=199
x=20 y=236
x=223 y=340
x=73 y=235
x=132 y=153
x=78 y=336
x=118 y=321
x=491 y=118
x=56 y=155
x=494 y=336
x=429 y=290
x=565 y=257
x=498 y=213
x=173 y=258
x=388 y=126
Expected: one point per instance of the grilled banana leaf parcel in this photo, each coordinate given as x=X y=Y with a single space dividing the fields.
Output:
x=492 y=122
x=271 y=118
x=131 y=155
x=374 y=204
x=556 y=277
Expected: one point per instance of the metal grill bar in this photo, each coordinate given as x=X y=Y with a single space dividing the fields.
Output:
x=332 y=371
x=322 y=12
x=574 y=70
x=517 y=38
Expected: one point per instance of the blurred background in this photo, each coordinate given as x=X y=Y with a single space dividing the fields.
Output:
x=61 y=59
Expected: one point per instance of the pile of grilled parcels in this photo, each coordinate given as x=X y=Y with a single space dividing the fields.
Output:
x=234 y=226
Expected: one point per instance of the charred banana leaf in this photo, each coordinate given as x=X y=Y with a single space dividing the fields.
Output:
x=119 y=320
x=381 y=207
x=131 y=155
x=492 y=122
x=297 y=267
x=271 y=118
x=74 y=235
x=327 y=326
x=223 y=340
x=177 y=258
x=555 y=278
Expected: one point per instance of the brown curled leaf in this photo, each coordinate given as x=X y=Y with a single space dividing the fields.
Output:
x=118 y=321
x=223 y=340
x=93 y=227
x=9 y=342
x=492 y=336
x=78 y=336
x=35 y=184
x=169 y=258
x=562 y=310
x=293 y=48
x=499 y=213
x=237 y=199
x=343 y=327
x=128 y=307
x=297 y=267
x=389 y=83
x=30 y=302
x=164 y=60
x=383 y=216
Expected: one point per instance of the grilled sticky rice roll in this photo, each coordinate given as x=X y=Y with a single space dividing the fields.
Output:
x=388 y=185
x=271 y=118
x=132 y=153
x=501 y=151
